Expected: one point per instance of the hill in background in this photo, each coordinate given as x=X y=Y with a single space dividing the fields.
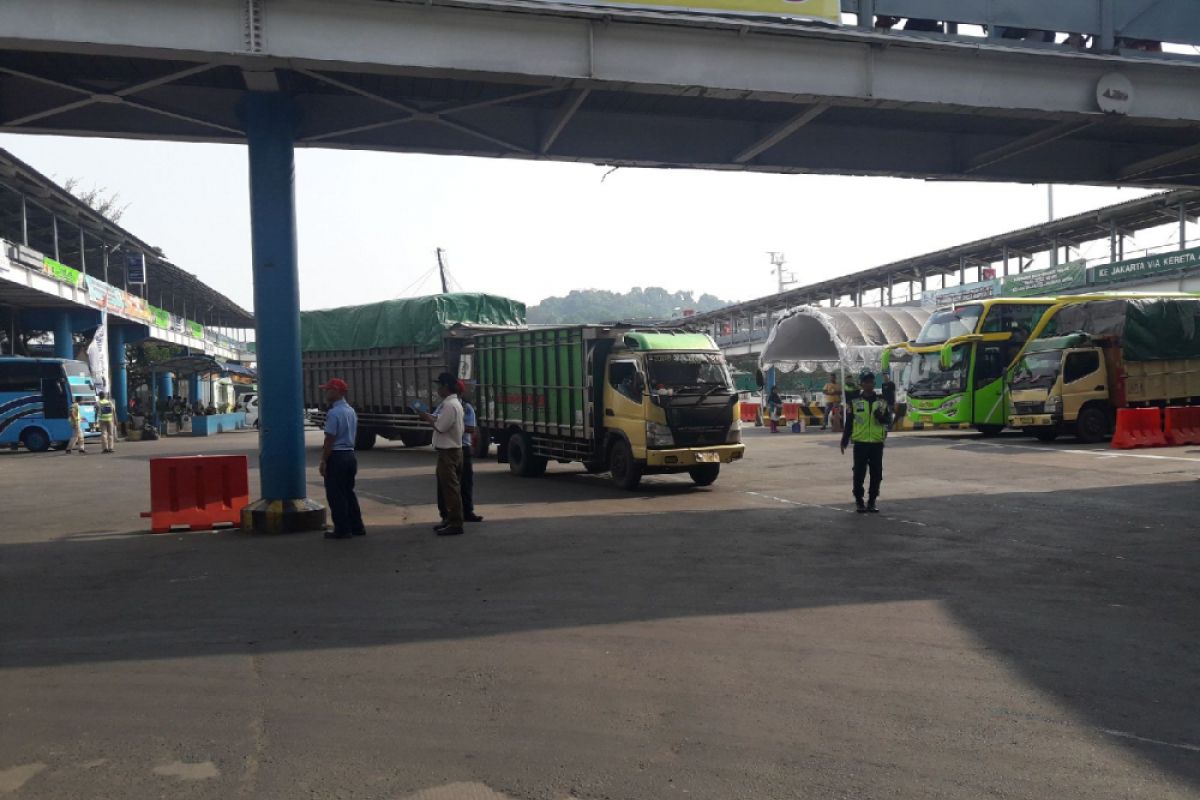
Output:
x=638 y=304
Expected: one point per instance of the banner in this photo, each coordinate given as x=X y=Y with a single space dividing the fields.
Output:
x=137 y=308
x=960 y=294
x=1145 y=267
x=160 y=318
x=61 y=271
x=1052 y=281
x=195 y=329
x=817 y=10
x=97 y=354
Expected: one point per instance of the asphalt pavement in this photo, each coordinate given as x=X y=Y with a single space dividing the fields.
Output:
x=1020 y=622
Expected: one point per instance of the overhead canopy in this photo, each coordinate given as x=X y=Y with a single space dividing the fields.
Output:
x=811 y=338
x=199 y=364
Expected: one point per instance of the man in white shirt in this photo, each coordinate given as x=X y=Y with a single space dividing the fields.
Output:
x=447 y=441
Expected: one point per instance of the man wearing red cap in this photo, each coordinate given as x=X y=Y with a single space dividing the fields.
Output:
x=338 y=463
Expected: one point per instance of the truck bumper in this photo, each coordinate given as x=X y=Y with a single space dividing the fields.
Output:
x=1031 y=421
x=683 y=458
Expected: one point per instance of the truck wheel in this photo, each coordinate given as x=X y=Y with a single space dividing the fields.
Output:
x=35 y=440
x=364 y=439
x=416 y=438
x=705 y=474
x=1046 y=434
x=1092 y=425
x=521 y=460
x=595 y=467
x=990 y=430
x=626 y=471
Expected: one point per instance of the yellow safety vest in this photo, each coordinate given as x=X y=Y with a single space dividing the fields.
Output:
x=106 y=409
x=867 y=429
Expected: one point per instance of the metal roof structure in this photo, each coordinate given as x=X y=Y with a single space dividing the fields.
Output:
x=812 y=338
x=37 y=212
x=1118 y=219
x=621 y=85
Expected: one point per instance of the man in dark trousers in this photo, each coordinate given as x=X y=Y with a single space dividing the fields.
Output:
x=867 y=426
x=467 y=473
x=339 y=465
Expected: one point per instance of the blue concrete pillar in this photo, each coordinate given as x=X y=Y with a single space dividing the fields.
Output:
x=269 y=119
x=166 y=385
x=64 y=343
x=194 y=388
x=118 y=373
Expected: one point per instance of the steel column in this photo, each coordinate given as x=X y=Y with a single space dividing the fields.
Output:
x=54 y=225
x=194 y=388
x=1112 y=241
x=1182 y=226
x=24 y=222
x=64 y=342
x=118 y=371
x=269 y=119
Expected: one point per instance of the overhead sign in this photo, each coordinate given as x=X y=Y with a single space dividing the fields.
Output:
x=961 y=294
x=1145 y=267
x=135 y=268
x=1046 y=281
x=819 y=10
x=62 y=272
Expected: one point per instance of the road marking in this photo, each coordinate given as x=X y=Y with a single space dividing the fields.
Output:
x=1125 y=735
x=1096 y=453
x=831 y=508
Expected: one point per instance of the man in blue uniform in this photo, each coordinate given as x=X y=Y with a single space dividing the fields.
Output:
x=867 y=426
x=339 y=464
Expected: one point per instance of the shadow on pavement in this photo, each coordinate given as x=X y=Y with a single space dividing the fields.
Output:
x=1089 y=595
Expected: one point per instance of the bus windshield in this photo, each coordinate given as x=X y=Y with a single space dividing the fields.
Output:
x=1037 y=371
x=688 y=370
x=927 y=378
x=945 y=325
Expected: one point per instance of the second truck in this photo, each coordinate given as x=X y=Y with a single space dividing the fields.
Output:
x=617 y=399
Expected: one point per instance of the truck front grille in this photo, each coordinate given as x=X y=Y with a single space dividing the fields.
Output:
x=699 y=437
x=1029 y=408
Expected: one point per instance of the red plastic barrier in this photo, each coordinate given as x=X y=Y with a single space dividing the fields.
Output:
x=1182 y=425
x=749 y=412
x=197 y=492
x=1138 y=427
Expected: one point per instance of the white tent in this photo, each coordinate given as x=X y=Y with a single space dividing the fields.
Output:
x=812 y=338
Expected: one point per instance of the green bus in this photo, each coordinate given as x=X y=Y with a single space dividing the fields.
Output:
x=958 y=363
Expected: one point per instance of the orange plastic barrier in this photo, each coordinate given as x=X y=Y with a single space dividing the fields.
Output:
x=1182 y=425
x=1138 y=427
x=749 y=412
x=197 y=492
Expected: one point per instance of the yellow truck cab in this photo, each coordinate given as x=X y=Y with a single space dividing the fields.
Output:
x=1106 y=354
x=617 y=399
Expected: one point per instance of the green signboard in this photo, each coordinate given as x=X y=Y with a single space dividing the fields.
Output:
x=61 y=271
x=195 y=329
x=1146 y=266
x=161 y=318
x=1052 y=281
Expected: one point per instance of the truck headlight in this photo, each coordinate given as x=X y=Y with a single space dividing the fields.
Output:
x=659 y=435
x=735 y=433
x=1052 y=404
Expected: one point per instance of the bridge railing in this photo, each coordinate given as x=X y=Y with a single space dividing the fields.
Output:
x=1113 y=24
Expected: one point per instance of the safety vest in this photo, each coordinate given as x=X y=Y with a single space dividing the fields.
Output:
x=106 y=410
x=867 y=429
x=73 y=414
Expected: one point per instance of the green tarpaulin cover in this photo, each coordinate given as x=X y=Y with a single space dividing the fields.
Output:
x=415 y=322
x=1149 y=330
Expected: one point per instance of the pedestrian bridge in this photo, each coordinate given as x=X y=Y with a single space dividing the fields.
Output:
x=619 y=85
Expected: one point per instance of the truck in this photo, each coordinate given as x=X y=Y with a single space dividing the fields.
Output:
x=1096 y=357
x=620 y=399
x=391 y=352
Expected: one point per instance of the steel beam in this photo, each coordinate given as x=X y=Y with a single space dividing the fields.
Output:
x=782 y=132
x=563 y=116
x=1149 y=165
x=1027 y=143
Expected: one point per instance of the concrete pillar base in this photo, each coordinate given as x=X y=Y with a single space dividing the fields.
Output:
x=283 y=516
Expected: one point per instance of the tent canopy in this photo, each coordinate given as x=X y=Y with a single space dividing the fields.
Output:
x=812 y=338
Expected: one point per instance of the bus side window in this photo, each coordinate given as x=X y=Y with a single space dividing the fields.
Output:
x=1080 y=365
x=19 y=378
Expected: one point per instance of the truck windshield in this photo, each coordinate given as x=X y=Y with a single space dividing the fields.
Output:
x=703 y=371
x=1037 y=371
x=927 y=378
x=945 y=325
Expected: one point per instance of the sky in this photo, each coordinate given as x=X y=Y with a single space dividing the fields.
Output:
x=370 y=223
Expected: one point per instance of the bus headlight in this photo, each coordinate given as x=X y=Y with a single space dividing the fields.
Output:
x=659 y=435
x=950 y=406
